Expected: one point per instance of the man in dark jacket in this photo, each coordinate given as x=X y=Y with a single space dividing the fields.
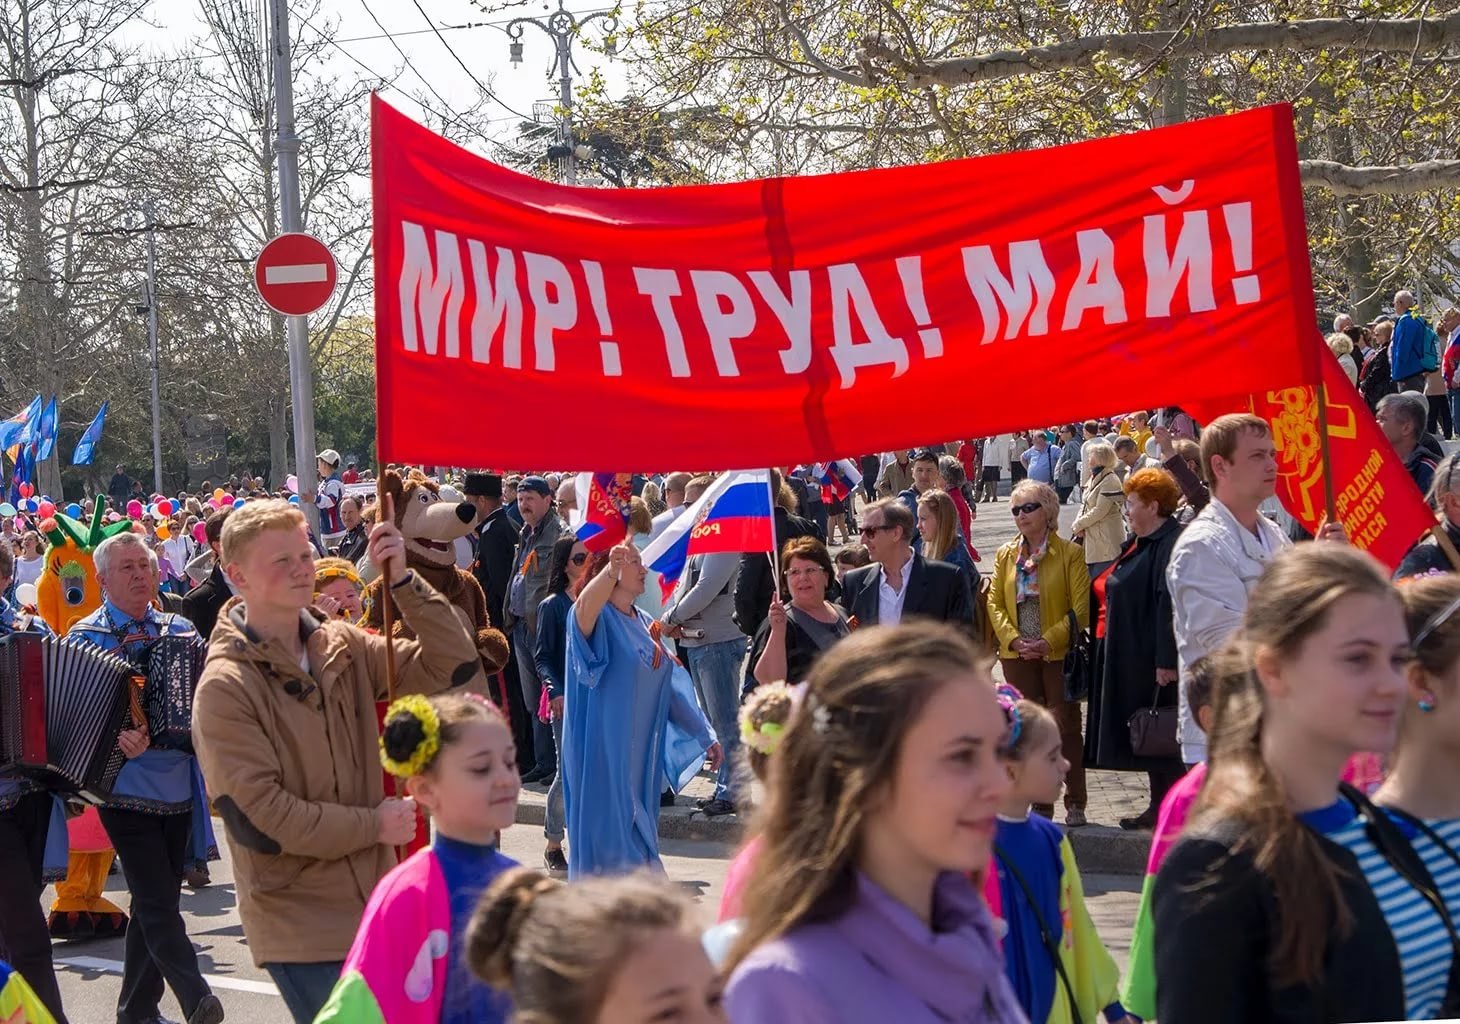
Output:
x=899 y=584
x=357 y=536
x=119 y=489
x=203 y=602
x=496 y=542
x=754 y=584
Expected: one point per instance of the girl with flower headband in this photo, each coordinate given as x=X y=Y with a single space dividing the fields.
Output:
x=406 y=966
x=1054 y=959
x=764 y=718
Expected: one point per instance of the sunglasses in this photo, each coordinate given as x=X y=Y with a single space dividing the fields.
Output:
x=580 y=558
x=871 y=531
x=1026 y=508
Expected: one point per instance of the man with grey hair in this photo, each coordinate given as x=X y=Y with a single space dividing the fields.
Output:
x=1407 y=346
x=1342 y=322
x=149 y=816
x=1402 y=418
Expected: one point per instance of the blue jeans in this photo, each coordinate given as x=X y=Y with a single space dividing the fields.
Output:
x=555 y=824
x=305 y=987
x=1453 y=397
x=542 y=733
x=716 y=670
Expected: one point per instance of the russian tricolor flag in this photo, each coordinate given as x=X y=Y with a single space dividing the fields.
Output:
x=841 y=476
x=604 y=506
x=734 y=514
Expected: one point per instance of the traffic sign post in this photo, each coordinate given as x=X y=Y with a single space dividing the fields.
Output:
x=296 y=274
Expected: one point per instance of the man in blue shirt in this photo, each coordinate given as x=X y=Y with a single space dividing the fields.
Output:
x=149 y=815
x=25 y=820
x=1040 y=458
x=1407 y=346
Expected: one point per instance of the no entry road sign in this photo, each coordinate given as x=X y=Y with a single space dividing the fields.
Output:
x=295 y=274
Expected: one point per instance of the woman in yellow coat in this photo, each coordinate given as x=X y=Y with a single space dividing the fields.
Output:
x=1040 y=581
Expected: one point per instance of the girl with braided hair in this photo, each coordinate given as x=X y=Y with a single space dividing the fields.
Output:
x=406 y=966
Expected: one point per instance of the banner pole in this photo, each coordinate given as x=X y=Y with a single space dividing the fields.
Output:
x=1329 y=504
x=773 y=554
x=385 y=508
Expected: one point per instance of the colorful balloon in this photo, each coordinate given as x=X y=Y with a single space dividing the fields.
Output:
x=292 y=482
x=46 y=509
x=293 y=499
x=26 y=490
x=164 y=507
x=73 y=510
x=134 y=509
x=227 y=499
x=200 y=533
x=218 y=493
x=163 y=532
x=239 y=503
x=7 y=509
x=31 y=505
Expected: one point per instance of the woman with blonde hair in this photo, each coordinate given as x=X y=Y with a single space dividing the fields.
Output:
x=1266 y=907
x=1099 y=526
x=1342 y=346
x=1039 y=599
x=938 y=526
x=882 y=803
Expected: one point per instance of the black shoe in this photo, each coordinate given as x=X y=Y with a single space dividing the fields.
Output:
x=209 y=1011
x=546 y=780
x=555 y=862
x=531 y=775
x=717 y=807
x=197 y=878
x=666 y=798
x=1144 y=820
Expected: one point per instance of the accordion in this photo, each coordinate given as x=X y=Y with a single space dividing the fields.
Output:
x=171 y=667
x=62 y=704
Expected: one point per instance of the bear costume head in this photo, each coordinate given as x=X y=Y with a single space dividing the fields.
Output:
x=428 y=523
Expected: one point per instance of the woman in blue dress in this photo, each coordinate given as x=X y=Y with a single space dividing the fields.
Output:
x=630 y=722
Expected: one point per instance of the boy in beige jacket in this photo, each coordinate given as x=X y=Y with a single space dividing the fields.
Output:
x=285 y=730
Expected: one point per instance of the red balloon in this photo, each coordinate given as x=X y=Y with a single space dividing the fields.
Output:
x=47 y=509
x=164 y=508
x=26 y=490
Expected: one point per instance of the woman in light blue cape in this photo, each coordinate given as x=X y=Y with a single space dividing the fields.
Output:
x=630 y=723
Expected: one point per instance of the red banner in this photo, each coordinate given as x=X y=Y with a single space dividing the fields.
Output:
x=1374 y=496
x=527 y=324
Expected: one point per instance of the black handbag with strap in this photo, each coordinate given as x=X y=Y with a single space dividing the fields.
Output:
x=1153 y=731
x=1079 y=661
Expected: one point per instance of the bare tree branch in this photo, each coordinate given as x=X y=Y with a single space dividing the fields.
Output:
x=1398 y=180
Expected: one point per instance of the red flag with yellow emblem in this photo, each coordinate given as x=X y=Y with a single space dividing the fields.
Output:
x=1374 y=496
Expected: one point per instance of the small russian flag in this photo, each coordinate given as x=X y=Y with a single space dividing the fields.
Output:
x=605 y=511
x=841 y=476
x=734 y=514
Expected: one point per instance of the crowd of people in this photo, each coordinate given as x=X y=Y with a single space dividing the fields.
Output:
x=901 y=724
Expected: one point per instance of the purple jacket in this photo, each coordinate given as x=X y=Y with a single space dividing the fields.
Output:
x=877 y=963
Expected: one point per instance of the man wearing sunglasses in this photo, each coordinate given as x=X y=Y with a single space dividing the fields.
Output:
x=901 y=584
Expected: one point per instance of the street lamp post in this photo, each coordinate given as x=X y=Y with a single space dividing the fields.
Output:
x=563 y=26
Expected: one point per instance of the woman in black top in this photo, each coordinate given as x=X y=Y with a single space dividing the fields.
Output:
x=1259 y=917
x=550 y=654
x=802 y=623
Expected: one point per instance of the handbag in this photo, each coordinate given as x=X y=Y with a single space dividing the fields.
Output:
x=1153 y=731
x=1078 y=661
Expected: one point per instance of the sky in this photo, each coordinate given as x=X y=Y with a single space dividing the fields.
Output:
x=484 y=49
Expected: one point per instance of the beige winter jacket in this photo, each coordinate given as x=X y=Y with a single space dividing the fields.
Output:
x=292 y=764
x=1100 y=518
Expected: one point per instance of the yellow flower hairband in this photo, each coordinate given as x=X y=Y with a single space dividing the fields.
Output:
x=420 y=709
x=764 y=738
x=334 y=572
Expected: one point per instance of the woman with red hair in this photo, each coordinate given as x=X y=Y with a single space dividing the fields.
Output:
x=1135 y=655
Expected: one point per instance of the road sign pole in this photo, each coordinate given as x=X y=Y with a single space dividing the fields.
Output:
x=286 y=145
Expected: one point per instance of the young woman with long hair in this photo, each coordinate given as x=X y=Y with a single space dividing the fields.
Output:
x=882 y=802
x=1259 y=914
x=550 y=654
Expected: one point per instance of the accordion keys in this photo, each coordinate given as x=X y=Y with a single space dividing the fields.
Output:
x=172 y=666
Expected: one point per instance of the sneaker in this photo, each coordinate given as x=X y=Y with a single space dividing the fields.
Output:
x=1075 y=817
x=717 y=807
x=209 y=1011
x=555 y=862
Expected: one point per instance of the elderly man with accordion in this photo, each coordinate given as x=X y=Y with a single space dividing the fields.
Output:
x=148 y=806
x=26 y=817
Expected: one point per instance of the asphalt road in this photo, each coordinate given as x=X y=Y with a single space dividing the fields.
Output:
x=90 y=973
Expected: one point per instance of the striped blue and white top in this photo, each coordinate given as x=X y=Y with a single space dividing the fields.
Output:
x=1425 y=951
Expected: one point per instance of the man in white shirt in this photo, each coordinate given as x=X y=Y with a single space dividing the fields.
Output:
x=901 y=584
x=1220 y=555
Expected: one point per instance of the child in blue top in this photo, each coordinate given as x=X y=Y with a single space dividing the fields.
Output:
x=1036 y=888
x=457 y=757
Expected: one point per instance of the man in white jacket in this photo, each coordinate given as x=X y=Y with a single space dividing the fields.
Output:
x=1220 y=555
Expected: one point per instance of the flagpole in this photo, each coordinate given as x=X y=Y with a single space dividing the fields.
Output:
x=1329 y=504
x=773 y=554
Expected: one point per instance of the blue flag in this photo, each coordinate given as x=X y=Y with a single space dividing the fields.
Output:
x=17 y=429
x=45 y=439
x=86 y=447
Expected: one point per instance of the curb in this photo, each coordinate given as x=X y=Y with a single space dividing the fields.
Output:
x=1099 y=849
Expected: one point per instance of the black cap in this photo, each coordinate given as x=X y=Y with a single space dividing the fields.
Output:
x=482 y=485
x=537 y=484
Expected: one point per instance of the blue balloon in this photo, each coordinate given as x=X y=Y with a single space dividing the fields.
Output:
x=31 y=505
x=73 y=510
x=293 y=499
x=238 y=503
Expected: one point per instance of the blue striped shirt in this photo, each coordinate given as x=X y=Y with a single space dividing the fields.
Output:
x=1424 y=945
